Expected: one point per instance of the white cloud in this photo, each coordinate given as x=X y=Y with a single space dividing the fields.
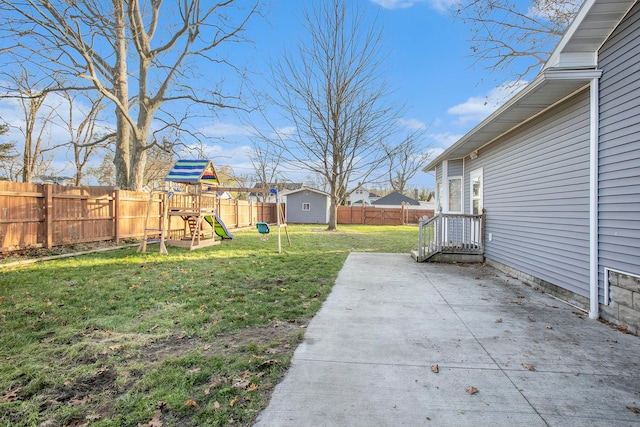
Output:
x=445 y=139
x=477 y=108
x=284 y=132
x=439 y=5
x=412 y=124
x=223 y=129
x=394 y=4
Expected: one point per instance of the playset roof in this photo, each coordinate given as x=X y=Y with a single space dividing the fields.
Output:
x=193 y=172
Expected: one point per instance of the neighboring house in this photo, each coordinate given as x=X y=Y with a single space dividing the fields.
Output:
x=362 y=195
x=395 y=199
x=56 y=180
x=557 y=169
x=306 y=206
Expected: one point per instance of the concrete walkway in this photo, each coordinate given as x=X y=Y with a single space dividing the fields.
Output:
x=367 y=355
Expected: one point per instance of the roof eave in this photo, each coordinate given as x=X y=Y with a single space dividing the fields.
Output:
x=552 y=85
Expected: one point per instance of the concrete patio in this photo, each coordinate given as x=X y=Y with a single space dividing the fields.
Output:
x=368 y=356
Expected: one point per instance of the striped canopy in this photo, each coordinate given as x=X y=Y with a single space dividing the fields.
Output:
x=193 y=172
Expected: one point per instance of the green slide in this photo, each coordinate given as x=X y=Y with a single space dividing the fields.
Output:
x=219 y=227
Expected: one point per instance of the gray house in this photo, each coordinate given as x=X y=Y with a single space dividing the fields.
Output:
x=395 y=199
x=557 y=169
x=306 y=206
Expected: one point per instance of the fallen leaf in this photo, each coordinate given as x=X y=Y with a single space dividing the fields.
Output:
x=216 y=406
x=194 y=370
x=241 y=383
x=93 y=417
x=471 y=390
x=549 y=327
x=634 y=409
x=115 y=347
x=268 y=362
x=531 y=319
x=78 y=402
x=12 y=396
x=155 y=420
x=162 y=404
x=435 y=369
x=191 y=403
x=234 y=401
x=499 y=320
x=252 y=387
x=528 y=367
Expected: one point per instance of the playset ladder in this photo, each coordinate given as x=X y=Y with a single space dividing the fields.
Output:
x=154 y=231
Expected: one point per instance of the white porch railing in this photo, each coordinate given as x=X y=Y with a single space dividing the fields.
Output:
x=451 y=234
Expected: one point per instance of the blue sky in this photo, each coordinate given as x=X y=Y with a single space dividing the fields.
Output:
x=428 y=66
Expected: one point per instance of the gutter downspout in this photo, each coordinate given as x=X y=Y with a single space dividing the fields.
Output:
x=593 y=199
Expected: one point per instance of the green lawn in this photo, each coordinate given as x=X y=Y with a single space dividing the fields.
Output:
x=195 y=338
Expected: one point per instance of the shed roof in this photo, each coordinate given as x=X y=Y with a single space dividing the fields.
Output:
x=395 y=198
x=301 y=189
x=193 y=172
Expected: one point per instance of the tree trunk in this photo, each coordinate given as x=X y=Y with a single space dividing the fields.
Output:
x=333 y=214
x=122 y=157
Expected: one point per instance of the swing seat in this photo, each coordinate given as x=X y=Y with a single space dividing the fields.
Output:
x=263 y=227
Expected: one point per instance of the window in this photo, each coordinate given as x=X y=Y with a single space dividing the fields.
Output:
x=455 y=194
x=306 y=207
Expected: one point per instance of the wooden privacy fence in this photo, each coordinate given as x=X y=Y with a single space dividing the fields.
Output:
x=44 y=215
x=372 y=215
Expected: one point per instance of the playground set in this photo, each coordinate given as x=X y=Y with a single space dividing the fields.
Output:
x=189 y=218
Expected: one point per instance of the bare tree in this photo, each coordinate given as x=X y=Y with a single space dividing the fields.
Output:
x=266 y=159
x=104 y=173
x=332 y=89
x=159 y=163
x=28 y=91
x=503 y=32
x=84 y=139
x=157 y=46
x=406 y=159
x=8 y=154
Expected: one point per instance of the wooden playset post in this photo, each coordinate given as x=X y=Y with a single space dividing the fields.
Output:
x=280 y=219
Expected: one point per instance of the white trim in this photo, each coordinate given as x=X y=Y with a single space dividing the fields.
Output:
x=476 y=172
x=593 y=200
x=308 y=207
x=461 y=179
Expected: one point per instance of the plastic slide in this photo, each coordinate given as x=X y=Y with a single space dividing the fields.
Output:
x=219 y=227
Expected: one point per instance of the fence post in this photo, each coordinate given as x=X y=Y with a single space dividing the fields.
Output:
x=362 y=212
x=48 y=216
x=116 y=215
x=237 y=213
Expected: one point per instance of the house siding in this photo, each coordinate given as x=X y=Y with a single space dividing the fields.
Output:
x=456 y=167
x=619 y=150
x=317 y=214
x=536 y=193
